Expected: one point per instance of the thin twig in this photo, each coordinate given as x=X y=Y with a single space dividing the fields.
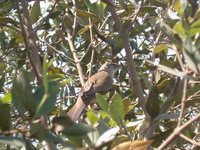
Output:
x=91 y=41
x=136 y=13
x=31 y=42
x=189 y=140
x=182 y=102
x=171 y=71
x=177 y=131
x=76 y=59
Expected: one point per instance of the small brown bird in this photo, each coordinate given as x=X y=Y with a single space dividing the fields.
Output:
x=101 y=82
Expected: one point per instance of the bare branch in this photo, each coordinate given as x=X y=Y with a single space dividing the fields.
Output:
x=178 y=131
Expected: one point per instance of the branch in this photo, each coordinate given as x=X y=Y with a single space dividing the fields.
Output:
x=30 y=40
x=76 y=59
x=177 y=132
x=123 y=32
x=189 y=140
x=182 y=102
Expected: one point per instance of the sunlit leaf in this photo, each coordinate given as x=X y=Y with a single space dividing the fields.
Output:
x=35 y=11
x=92 y=117
x=7 y=98
x=160 y=47
x=178 y=28
x=107 y=136
x=195 y=28
x=180 y=5
x=173 y=15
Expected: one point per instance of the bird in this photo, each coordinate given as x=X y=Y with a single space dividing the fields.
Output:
x=101 y=82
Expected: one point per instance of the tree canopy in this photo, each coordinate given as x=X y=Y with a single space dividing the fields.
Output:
x=49 y=48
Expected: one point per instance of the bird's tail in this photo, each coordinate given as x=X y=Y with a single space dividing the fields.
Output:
x=75 y=112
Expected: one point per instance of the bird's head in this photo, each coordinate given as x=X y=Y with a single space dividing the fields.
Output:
x=110 y=67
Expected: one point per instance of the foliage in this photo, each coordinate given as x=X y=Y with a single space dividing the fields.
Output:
x=46 y=47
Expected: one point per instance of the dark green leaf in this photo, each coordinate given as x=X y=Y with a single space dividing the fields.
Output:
x=5 y=116
x=35 y=11
x=152 y=104
x=46 y=101
x=22 y=96
x=191 y=54
x=116 y=109
x=102 y=102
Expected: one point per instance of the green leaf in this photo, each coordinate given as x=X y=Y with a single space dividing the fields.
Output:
x=35 y=11
x=37 y=131
x=195 y=28
x=7 y=98
x=116 y=109
x=178 y=28
x=22 y=96
x=85 y=14
x=92 y=117
x=45 y=101
x=66 y=126
x=160 y=47
x=191 y=54
x=180 y=6
x=91 y=6
x=6 y=20
x=5 y=116
x=78 y=130
x=152 y=104
x=102 y=102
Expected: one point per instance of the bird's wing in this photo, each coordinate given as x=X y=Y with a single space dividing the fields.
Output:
x=101 y=82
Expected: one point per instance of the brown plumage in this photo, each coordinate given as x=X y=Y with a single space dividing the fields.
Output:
x=101 y=82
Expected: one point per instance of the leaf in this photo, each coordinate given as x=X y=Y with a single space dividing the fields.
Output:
x=91 y=5
x=7 y=98
x=191 y=54
x=178 y=28
x=135 y=145
x=102 y=102
x=6 y=20
x=82 y=13
x=152 y=104
x=5 y=116
x=35 y=11
x=45 y=101
x=37 y=131
x=116 y=109
x=173 y=15
x=195 y=28
x=128 y=105
x=69 y=128
x=15 y=141
x=107 y=136
x=92 y=117
x=22 y=96
x=160 y=47
x=180 y=6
